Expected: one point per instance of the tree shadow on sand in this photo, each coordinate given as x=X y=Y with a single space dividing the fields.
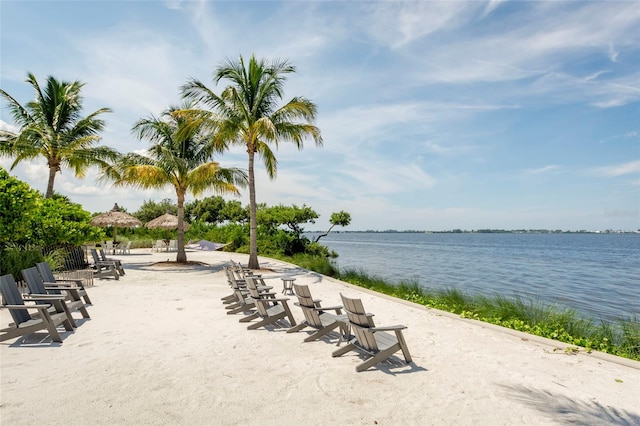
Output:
x=565 y=410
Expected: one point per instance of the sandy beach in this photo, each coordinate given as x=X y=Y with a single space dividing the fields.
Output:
x=159 y=349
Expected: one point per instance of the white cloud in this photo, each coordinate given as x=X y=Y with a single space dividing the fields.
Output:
x=8 y=127
x=551 y=168
x=631 y=167
x=397 y=24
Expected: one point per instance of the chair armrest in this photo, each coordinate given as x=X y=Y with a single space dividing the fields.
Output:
x=389 y=328
x=284 y=299
x=338 y=309
x=78 y=281
x=49 y=286
x=74 y=292
x=25 y=306
x=34 y=297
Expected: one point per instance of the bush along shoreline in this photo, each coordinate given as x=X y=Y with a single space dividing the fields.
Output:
x=620 y=338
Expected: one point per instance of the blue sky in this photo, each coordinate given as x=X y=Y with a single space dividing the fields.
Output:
x=434 y=115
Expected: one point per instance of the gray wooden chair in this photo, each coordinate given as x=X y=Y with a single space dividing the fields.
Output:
x=38 y=290
x=242 y=301
x=24 y=322
x=231 y=300
x=316 y=316
x=268 y=307
x=103 y=269
x=50 y=280
x=377 y=341
x=103 y=257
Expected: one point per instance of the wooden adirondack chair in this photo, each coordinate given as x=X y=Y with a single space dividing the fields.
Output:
x=369 y=338
x=230 y=299
x=49 y=280
x=117 y=262
x=126 y=248
x=37 y=289
x=243 y=302
x=316 y=315
x=24 y=322
x=103 y=269
x=268 y=307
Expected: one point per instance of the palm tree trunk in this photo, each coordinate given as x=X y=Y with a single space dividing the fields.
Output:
x=52 y=176
x=181 y=257
x=253 y=225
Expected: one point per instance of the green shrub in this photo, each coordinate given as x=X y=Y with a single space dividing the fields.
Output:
x=15 y=258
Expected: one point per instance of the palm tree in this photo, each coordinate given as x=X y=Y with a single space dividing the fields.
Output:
x=180 y=156
x=51 y=127
x=247 y=113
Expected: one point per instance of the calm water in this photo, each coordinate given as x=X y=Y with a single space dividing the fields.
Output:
x=597 y=274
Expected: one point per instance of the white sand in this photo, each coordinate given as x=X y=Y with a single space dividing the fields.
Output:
x=160 y=349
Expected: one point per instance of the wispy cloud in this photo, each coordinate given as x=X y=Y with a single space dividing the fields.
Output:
x=616 y=170
x=8 y=127
x=548 y=169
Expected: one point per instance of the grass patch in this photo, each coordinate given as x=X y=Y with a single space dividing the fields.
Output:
x=621 y=338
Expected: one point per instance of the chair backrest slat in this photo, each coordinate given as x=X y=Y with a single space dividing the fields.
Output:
x=35 y=282
x=255 y=294
x=360 y=322
x=305 y=301
x=45 y=270
x=11 y=296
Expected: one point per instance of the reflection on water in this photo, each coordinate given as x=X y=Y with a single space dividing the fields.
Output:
x=598 y=274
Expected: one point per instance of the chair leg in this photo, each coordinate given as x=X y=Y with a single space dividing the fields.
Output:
x=323 y=331
x=235 y=305
x=53 y=331
x=84 y=312
x=403 y=346
x=266 y=321
x=343 y=350
x=242 y=308
x=249 y=317
x=378 y=358
x=297 y=328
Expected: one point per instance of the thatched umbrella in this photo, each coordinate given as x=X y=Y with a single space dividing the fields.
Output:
x=115 y=218
x=167 y=221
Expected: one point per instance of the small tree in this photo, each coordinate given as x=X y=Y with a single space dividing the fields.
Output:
x=17 y=205
x=233 y=212
x=150 y=209
x=59 y=221
x=206 y=210
x=282 y=226
x=291 y=217
x=340 y=218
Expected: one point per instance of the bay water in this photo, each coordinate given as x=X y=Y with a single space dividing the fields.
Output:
x=596 y=274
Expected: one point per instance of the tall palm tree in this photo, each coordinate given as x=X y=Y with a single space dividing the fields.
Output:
x=247 y=112
x=51 y=127
x=180 y=155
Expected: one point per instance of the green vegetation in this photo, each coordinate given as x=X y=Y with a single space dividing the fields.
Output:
x=34 y=228
x=533 y=317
